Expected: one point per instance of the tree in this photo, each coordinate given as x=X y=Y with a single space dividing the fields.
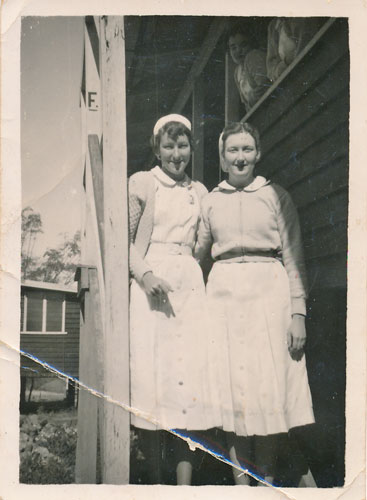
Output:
x=31 y=228
x=57 y=265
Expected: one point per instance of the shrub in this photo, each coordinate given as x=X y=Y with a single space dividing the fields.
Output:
x=48 y=448
x=47 y=451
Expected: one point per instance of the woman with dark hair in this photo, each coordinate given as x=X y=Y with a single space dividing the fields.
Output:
x=168 y=346
x=250 y=74
x=256 y=292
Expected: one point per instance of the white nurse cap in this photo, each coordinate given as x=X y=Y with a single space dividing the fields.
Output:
x=171 y=118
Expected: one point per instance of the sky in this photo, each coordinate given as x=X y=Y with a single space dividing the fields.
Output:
x=51 y=155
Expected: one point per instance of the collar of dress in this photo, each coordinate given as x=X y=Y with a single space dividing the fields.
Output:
x=168 y=181
x=256 y=184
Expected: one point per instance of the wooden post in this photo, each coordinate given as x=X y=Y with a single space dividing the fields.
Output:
x=214 y=33
x=116 y=424
x=232 y=98
x=198 y=129
x=70 y=394
x=23 y=386
x=91 y=117
x=95 y=157
x=232 y=103
x=91 y=278
x=90 y=331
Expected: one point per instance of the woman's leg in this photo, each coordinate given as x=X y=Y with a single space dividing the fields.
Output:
x=238 y=476
x=181 y=457
x=184 y=472
x=240 y=450
x=266 y=451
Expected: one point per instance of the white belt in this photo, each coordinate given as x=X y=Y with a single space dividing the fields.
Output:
x=156 y=248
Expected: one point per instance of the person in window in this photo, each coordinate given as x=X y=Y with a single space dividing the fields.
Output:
x=287 y=36
x=250 y=74
x=256 y=292
x=168 y=347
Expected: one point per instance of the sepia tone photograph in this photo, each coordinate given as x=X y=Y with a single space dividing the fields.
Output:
x=185 y=194
x=265 y=216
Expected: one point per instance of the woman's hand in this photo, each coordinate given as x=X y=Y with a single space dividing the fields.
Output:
x=296 y=336
x=157 y=291
x=155 y=287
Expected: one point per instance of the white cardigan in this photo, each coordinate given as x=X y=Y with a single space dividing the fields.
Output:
x=141 y=217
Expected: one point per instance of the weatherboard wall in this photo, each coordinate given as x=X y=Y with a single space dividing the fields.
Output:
x=60 y=350
x=304 y=129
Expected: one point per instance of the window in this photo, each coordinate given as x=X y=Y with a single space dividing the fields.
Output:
x=43 y=312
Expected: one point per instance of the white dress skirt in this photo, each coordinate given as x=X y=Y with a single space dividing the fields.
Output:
x=262 y=389
x=170 y=379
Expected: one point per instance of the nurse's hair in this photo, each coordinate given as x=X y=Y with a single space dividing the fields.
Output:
x=237 y=128
x=242 y=27
x=175 y=126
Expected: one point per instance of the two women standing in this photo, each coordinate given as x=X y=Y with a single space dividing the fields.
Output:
x=242 y=369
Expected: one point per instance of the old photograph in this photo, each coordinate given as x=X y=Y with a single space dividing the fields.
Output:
x=184 y=251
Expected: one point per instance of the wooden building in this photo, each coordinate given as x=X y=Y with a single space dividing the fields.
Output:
x=180 y=64
x=303 y=119
x=50 y=325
